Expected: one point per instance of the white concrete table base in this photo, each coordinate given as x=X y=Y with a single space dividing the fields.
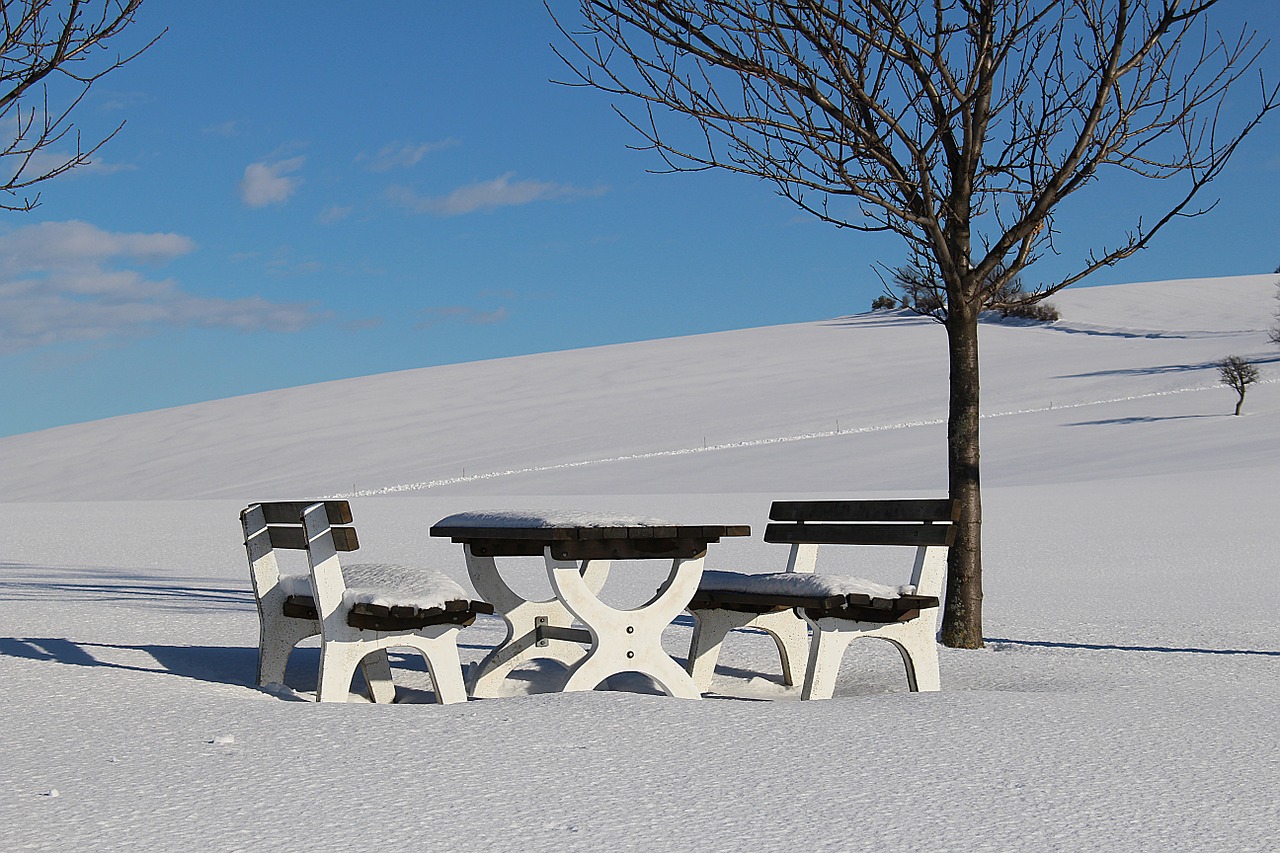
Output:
x=575 y=628
x=523 y=617
x=627 y=640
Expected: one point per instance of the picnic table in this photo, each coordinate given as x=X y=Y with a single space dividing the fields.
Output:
x=578 y=549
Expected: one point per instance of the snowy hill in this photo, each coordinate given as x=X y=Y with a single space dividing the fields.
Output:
x=855 y=402
x=1125 y=700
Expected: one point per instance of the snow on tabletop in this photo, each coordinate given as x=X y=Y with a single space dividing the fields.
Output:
x=796 y=583
x=387 y=585
x=550 y=518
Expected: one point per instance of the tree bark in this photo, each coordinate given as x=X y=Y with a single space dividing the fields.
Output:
x=962 y=619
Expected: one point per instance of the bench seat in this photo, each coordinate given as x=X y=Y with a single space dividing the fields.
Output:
x=836 y=609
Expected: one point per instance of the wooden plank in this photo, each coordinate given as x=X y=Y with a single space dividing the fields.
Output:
x=861 y=534
x=293 y=538
x=470 y=534
x=864 y=614
x=290 y=512
x=708 y=533
x=886 y=510
x=300 y=607
x=628 y=549
x=713 y=598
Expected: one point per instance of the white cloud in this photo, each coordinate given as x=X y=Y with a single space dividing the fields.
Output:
x=333 y=213
x=268 y=183
x=401 y=155
x=487 y=195
x=44 y=161
x=226 y=128
x=72 y=281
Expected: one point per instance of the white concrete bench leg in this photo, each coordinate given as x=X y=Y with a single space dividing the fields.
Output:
x=914 y=640
x=826 y=650
x=338 y=662
x=710 y=627
x=279 y=634
x=376 y=668
x=523 y=618
x=627 y=640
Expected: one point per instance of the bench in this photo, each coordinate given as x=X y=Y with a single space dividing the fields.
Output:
x=789 y=605
x=358 y=610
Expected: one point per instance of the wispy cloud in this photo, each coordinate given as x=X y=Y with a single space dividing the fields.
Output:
x=225 y=128
x=461 y=314
x=72 y=281
x=333 y=213
x=502 y=191
x=45 y=161
x=401 y=155
x=269 y=183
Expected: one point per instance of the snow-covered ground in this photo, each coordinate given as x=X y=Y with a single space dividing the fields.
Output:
x=1126 y=699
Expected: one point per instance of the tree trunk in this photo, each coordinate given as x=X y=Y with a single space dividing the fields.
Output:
x=962 y=619
x=1240 y=403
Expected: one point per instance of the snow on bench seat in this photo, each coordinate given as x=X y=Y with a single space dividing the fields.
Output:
x=798 y=584
x=387 y=585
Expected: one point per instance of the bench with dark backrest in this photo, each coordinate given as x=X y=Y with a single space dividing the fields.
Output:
x=837 y=608
x=359 y=610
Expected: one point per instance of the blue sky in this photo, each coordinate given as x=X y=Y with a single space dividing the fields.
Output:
x=302 y=193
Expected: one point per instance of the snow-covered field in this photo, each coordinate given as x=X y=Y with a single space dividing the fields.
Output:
x=1127 y=698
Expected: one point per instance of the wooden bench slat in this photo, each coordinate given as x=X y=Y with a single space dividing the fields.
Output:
x=938 y=509
x=860 y=534
x=378 y=617
x=293 y=538
x=863 y=614
x=714 y=597
x=290 y=512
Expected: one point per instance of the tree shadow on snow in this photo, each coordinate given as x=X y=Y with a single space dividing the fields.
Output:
x=1113 y=647
x=24 y=581
x=1143 y=420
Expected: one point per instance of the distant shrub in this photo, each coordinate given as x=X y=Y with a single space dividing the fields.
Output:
x=1041 y=312
x=884 y=303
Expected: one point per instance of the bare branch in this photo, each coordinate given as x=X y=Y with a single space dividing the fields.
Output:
x=41 y=39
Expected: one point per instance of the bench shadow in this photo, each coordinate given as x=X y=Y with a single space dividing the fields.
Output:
x=235 y=665
x=1115 y=647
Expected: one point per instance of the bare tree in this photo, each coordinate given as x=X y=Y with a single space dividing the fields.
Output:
x=1274 y=332
x=1239 y=374
x=60 y=42
x=959 y=125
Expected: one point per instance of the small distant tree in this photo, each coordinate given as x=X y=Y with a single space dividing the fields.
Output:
x=1239 y=374
x=42 y=41
x=884 y=302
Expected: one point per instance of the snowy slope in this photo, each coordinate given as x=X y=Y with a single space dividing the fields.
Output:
x=1125 y=701
x=804 y=397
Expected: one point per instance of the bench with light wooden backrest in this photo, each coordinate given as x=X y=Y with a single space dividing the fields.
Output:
x=296 y=606
x=787 y=605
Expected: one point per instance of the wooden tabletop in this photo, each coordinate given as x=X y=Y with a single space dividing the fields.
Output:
x=568 y=541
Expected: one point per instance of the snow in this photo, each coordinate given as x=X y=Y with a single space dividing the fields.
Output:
x=1125 y=699
x=549 y=518
x=387 y=585
x=792 y=583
